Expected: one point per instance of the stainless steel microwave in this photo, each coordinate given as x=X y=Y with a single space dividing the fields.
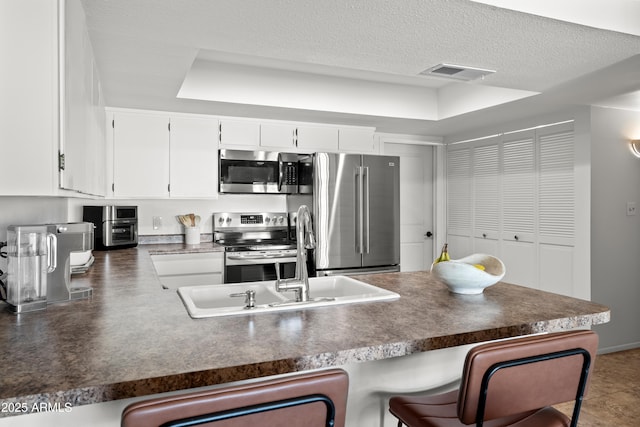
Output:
x=264 y=172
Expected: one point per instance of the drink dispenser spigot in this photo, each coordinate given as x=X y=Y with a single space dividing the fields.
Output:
x=31 y=256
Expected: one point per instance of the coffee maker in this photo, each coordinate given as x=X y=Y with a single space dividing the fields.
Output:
x=30 y=257
x=39 y=264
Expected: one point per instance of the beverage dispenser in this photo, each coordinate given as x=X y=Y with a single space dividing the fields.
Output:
x=31 y=256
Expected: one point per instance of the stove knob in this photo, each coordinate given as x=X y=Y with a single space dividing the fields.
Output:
x=221 y=220
x=228 y=220
x=267 y=219
x=281 y=219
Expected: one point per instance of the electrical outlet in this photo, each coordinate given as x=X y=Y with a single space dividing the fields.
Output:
x=157 y=222
x=631 y=208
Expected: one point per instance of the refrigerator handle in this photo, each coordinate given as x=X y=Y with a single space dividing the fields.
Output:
x=359 y=209
x=365 y=202
x=280 y=172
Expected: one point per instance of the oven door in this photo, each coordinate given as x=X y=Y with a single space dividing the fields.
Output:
x=118 y=233
x=257 y=267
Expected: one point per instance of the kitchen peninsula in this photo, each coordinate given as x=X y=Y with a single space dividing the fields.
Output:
x=134 y=338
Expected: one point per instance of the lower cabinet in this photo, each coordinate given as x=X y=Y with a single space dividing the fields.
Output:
x=193 y=269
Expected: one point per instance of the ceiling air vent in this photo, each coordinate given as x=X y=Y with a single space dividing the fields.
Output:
x=457 y=72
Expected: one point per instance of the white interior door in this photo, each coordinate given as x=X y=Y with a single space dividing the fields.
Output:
x=416 y=204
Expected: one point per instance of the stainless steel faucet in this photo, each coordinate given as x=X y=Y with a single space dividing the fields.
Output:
x=305 y=240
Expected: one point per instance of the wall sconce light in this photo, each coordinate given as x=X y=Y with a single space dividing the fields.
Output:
x=635 y=147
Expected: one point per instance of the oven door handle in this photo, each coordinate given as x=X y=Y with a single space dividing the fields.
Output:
x=240 y=261
x=253 y=257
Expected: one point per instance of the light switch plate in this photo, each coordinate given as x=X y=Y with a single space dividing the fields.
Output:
x=157 y=222
x=631 y=208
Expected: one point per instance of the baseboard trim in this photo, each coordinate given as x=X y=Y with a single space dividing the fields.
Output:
x=616 y=348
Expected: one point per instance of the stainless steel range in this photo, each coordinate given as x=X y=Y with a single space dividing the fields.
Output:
x=254 y=243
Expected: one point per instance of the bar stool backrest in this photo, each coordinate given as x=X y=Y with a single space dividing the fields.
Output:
x=304 y=400
x=515 y=376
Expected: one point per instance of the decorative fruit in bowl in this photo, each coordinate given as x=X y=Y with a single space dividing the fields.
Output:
x=468 y=275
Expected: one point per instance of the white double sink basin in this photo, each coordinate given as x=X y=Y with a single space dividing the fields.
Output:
x=216 y=300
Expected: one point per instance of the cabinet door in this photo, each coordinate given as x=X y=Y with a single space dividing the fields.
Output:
x=519 y=187
x=356 y=140
x=28 y=105
x=312 y=138
x=239 y=133
x=141 y=155
x=277 y=136
x=459 y=207
x=83 y=132
x=193 y=157
x=486 y=197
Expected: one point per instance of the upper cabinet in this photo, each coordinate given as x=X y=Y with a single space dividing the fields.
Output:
x=277 y=136
x=140 y=155
x=239 y=133
x=316 y=138
x=193 y=157
x=271 y=135
x=157 y=155
x=357 y=140
x=50 y=107
x=82 y=142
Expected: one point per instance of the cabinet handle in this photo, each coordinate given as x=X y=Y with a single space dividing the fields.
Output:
x=515 y=237
x=484 y=235
x=429 y=234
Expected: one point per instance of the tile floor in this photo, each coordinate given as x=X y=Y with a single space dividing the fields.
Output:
x=614 y=394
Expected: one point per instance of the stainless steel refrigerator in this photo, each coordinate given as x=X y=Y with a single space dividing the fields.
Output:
x=356 y=213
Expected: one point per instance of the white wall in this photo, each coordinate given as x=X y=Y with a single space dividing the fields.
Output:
x=615 y=237
x=29 y=210
x=168 y=209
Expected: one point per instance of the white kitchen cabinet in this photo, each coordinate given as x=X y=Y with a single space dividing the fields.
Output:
x=238 y=133
x=317 y=138
x=299 y=138
x=193 y=157
x=277 y=136
x=140 y=155
x=357 y=140
x=193 y=269
x=37 y=111
x=82 y=143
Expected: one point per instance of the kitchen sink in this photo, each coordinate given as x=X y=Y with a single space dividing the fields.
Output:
x=217 y=300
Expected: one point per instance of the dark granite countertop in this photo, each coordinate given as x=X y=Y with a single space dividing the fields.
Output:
x=133 y=338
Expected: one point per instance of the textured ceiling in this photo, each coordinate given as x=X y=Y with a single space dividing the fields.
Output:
x=145 y=48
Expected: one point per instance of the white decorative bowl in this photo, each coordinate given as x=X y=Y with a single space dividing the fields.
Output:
x=462 y=277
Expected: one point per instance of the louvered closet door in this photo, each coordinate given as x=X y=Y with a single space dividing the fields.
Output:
x=519 y=207
x=459 y=211
x=556 y=208
x=486 y=202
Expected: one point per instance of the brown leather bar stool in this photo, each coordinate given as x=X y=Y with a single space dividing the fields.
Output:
x=510 y=383
x=304 y=400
